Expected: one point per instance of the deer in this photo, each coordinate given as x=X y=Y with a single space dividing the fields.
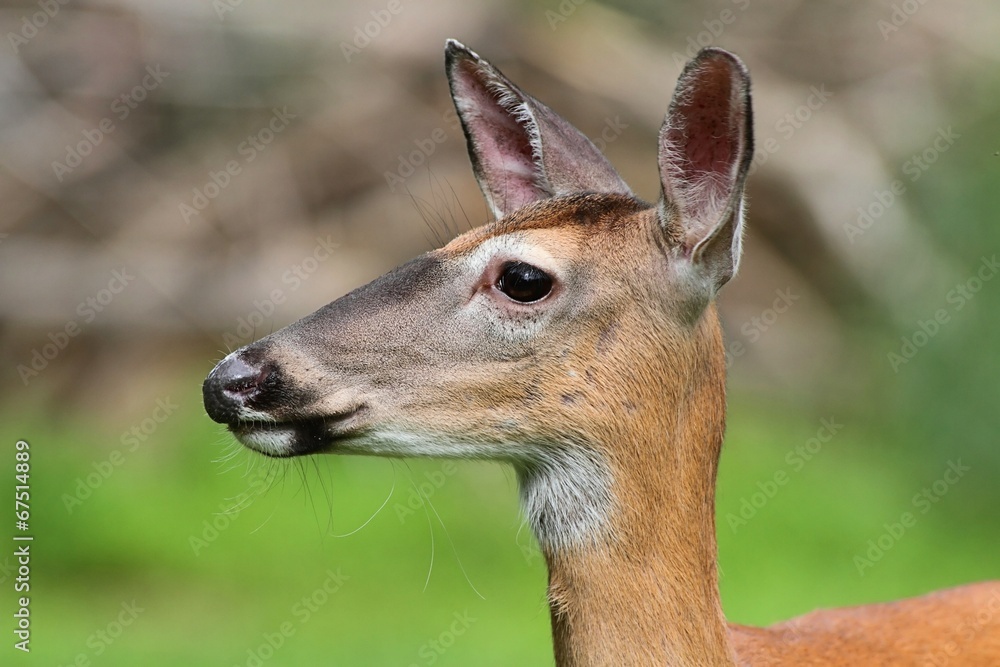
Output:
x=575 y=336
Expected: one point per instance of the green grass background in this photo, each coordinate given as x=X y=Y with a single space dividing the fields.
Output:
x=131 y=541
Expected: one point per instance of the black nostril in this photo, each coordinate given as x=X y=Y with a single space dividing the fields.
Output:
x=233 y=384
x=236 y=376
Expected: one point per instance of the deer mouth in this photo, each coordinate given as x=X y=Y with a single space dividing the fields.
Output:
x=298 y=437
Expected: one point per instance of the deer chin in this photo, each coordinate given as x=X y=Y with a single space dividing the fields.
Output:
x=298 y=437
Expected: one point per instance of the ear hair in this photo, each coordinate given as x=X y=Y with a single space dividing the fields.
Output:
x=521 y=150
x=705 y=150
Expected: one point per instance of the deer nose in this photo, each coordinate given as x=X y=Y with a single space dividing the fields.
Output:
x=231 y=386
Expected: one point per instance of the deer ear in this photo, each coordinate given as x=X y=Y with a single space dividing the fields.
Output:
x=705 y=149
x=521 y=150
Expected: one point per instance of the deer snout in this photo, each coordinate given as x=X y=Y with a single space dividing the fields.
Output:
x=231 y=387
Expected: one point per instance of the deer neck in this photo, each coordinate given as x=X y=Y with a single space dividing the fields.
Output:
x=646 y=591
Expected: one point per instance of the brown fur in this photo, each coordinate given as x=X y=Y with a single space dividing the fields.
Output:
x=653 y=394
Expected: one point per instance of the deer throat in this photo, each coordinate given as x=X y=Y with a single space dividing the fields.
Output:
x=566 y=497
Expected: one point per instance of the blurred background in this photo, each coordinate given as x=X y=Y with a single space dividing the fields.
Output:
x=180 y=178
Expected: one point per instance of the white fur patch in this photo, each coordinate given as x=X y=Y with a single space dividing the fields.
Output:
x=566 y=496
x=273 y=442
x=565 y=488
x=515 y=247
x=248 y=415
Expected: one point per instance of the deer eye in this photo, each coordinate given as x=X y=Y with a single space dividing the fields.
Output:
x=523 y=282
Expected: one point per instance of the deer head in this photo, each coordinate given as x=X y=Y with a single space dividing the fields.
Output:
x=545 y=339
